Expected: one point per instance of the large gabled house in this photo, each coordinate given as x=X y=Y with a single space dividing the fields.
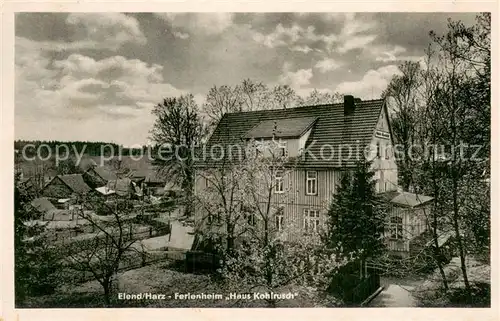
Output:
x=154 y=181
x=66 y=187
x=123 y=187
x=324 y=140
x=98 y=176
x=148 y=180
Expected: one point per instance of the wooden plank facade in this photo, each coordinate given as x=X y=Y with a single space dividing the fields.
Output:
x=403 y=225
x=293 y=202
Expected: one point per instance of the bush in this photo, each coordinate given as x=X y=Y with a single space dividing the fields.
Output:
x=102 y=209
x=481 y=296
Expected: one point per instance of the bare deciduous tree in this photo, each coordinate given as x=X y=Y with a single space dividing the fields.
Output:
x=102 y=252
x=179 y=128
x=260 y=248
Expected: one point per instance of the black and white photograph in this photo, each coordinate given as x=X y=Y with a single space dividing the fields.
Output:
x=252 y=160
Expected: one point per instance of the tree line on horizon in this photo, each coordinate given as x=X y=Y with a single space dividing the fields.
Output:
x=90 y=148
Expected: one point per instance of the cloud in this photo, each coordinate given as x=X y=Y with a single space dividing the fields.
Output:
x=326 y=65
x=357 y=32
x=105 y=30
x=355 y=24
x=129 y=82
x=116 y=68
x=204 y=23
x=296 y=37
x=371 y=85
x=386 y=54
x=32 y=64
x=355 y=42
x=180 y=35
x=232 y=57
x=95 y=31
x=81 y=90
x=304 y=49
x=296 y=79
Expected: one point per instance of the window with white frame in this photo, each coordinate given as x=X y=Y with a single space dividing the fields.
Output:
x=311 y=220
x=278 y=182
x=396 y=227
x=311 y=183
x=279 y=217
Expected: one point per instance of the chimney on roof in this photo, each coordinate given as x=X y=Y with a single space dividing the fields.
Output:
x=349 y=105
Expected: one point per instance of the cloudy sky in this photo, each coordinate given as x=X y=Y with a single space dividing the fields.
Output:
x=91 y=76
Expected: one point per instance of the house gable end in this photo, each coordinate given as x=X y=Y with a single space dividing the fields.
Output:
x=383 y=156
x=57 y=188
x=383 y=128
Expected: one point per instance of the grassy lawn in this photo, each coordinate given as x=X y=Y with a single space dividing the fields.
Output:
x=160 y=279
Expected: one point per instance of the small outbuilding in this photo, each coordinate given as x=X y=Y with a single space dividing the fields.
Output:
x=406 y=220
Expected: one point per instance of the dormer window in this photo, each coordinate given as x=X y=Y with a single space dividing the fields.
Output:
x=284 y=137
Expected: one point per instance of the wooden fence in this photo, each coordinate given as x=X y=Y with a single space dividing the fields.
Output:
x=78 y=237
x=366 y=286
x=352 y=285
x=187 y=262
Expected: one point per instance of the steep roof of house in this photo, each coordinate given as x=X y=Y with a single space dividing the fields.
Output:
x=149 y=175
x=75 y=182
x=121 y=186
x=42 y=204
x=330 y=130
x=406 y=199
x=105 y=173
x=281 y=128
